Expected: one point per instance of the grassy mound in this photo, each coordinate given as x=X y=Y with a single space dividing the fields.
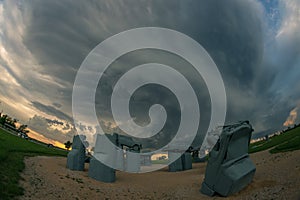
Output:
x=288 y=141
x=12 y=152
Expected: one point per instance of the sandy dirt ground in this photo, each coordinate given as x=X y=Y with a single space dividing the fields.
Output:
x=277 y=177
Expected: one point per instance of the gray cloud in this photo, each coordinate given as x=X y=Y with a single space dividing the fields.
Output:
x=43 y=126
x=53 y=38
x=50 y=110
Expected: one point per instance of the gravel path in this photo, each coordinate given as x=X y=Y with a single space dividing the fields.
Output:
x=277 y=177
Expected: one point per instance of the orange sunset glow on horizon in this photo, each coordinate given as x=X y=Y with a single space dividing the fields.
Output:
x=35 y=135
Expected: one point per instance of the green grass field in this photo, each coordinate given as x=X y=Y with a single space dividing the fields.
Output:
x=288 y=141
x=161 y=162
x=12 y=152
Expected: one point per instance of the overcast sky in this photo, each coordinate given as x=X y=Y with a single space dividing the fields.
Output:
x=255 y=44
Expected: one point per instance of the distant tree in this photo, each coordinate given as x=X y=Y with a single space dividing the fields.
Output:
x=22 y=128
x=3 y=119
x=11 y=121
x=68 y=145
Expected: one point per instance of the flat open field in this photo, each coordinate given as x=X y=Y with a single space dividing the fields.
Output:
x=277 y=177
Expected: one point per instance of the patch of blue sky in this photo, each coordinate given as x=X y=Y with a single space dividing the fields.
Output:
x=273 y=18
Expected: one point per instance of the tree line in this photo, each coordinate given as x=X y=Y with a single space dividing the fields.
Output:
x=10 y=123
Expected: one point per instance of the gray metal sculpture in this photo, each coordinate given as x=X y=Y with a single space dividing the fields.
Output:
x=131 y=156
x=184 y=162
x=76 y=157
x=102 y=151
x=115 y=157
x=146 y=159
x=101 y=172
x=177 y=164
x=229 y=167
x=125 y=141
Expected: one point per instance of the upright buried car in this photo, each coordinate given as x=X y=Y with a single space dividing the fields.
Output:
x=229 y=167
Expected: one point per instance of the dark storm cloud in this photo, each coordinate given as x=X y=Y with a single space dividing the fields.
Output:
x=231 y=31
x=59 y=35
x=66 y=31
x=50 y=110
x=149 y=95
